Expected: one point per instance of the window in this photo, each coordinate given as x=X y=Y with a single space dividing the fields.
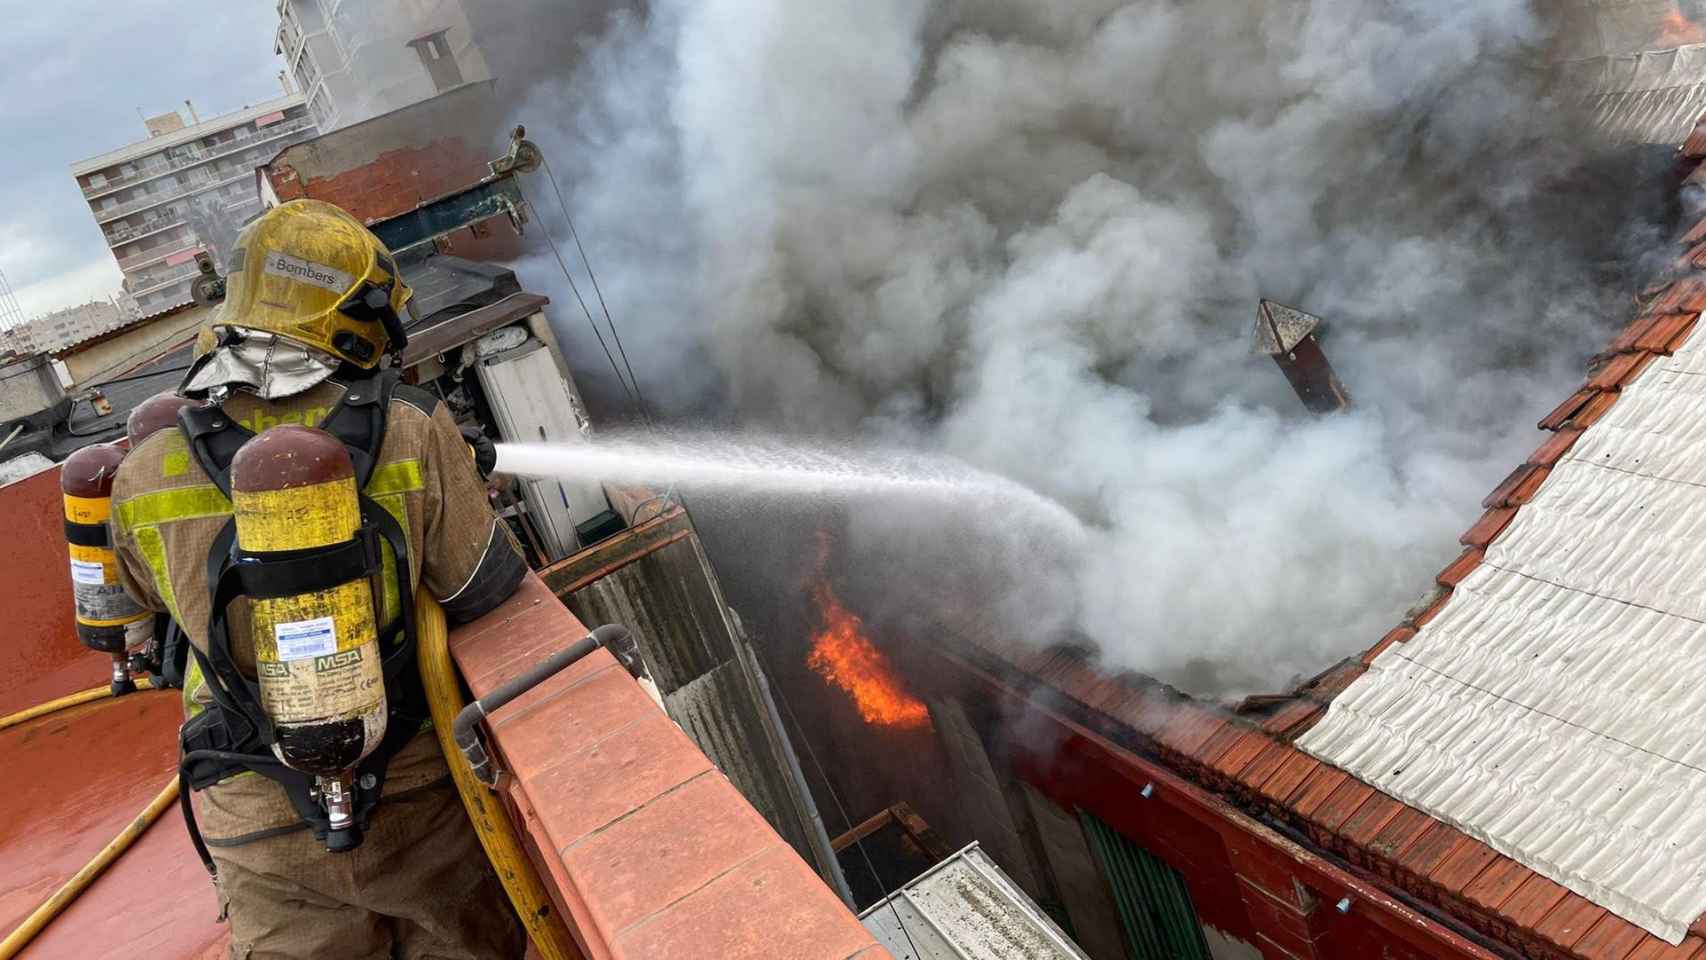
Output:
x=434 y=51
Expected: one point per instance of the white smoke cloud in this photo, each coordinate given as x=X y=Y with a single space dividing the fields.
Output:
x=1032 y=235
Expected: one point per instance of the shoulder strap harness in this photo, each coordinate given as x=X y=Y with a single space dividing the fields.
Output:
x=234 y=734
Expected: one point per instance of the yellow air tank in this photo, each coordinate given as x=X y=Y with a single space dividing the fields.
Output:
x=108 y=620
x=317 y=657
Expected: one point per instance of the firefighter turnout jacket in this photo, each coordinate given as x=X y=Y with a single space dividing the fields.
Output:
x=167 y=513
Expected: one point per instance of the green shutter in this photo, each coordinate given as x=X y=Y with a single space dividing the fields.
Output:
x=1154 y=906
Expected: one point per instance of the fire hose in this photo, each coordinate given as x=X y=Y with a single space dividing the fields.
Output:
x=80 y=881
x=546 y=928
x=71 y=700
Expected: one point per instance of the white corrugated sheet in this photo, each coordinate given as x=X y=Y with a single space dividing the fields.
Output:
x=1654 y=96
x=1555 y=708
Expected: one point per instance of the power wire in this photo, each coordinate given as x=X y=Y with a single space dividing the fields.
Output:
x=614 y=335
x=845 y=818
x=563 y=265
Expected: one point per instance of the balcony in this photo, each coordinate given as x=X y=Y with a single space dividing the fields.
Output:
x=197 y=155
x=143 y=258
x=171 y=277
x=123 y=235
x=183 y=189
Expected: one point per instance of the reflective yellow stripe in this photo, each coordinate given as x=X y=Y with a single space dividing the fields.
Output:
x=176 y=503
x=192 y=685
x=394 y=505
x=404 y=476
x=153 y=548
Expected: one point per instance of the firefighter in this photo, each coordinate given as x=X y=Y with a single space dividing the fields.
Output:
x=313 y=307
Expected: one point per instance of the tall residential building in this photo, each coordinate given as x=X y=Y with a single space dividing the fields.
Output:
x=184 y=189
x=64 y=327
x=353 y=61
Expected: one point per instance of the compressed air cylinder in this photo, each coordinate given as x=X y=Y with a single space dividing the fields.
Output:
x=104 y=610
x=317 y=654
x=153 y=415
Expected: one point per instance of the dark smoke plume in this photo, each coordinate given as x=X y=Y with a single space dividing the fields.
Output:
x=1033 y=235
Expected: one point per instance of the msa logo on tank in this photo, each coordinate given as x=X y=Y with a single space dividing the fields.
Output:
x=305 y=271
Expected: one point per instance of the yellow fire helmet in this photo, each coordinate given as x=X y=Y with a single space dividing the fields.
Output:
x=309 y=272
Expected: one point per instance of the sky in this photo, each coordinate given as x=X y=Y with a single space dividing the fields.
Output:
x=73 y=76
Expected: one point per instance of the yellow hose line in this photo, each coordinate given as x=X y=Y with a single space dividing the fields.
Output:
x=44 y=914
x=54 y=706
x=545 y=927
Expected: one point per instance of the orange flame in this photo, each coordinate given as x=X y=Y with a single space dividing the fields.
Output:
x=1679 y=30
x=843 y=655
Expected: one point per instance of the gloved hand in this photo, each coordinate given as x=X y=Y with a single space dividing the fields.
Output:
x=485 y=453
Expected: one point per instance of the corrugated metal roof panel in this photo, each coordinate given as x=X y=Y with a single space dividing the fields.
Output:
x=965 y=908
x=1552 y=709
x=1650 y=97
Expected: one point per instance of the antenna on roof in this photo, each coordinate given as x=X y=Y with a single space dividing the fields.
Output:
x=11 y=315
x=1288 y=335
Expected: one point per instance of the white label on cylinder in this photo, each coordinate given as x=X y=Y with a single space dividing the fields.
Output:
x=302 y=639
x=82 y=571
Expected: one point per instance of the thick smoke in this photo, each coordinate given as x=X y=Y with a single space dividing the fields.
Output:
x=1033 y=235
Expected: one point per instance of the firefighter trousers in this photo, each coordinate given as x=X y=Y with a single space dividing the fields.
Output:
x=418 y=888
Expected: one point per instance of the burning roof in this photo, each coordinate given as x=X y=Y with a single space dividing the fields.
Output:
x=1521 y=752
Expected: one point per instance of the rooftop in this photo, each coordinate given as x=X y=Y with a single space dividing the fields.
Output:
x=150 y=145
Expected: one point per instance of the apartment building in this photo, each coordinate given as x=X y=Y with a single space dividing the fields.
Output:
x=354 y=61
x=62 y=328
x=184 y=189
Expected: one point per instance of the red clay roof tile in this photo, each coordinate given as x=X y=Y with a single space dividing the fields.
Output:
x=1240 y=752
x=1665 y=329
x=1533 y=900
x=1653 y=948
x=1463 y=866
x=1695 y=235
x=1315 y=789
x=1464 y=565
x=1266 y=763
x=1562 y=414
x=1399 y=832
x=1218 y=744
x=1333 y=682
x=1291 y=718
x=1396 y=635
x=1555 y=447
x=1495 y=885
x=1570 y=920
x=1617 y=371
x=1288 y=776
x=1594 y=409
x=1676 y=342
x=1612 y=938
x=1488 y=528
x=1686 y=295
x=1191 y=727
x=1442 y=593
x=1518 y=488
x=1370 y=818
x=1344 y=802
x=1431 y=849
x=1637 y=328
